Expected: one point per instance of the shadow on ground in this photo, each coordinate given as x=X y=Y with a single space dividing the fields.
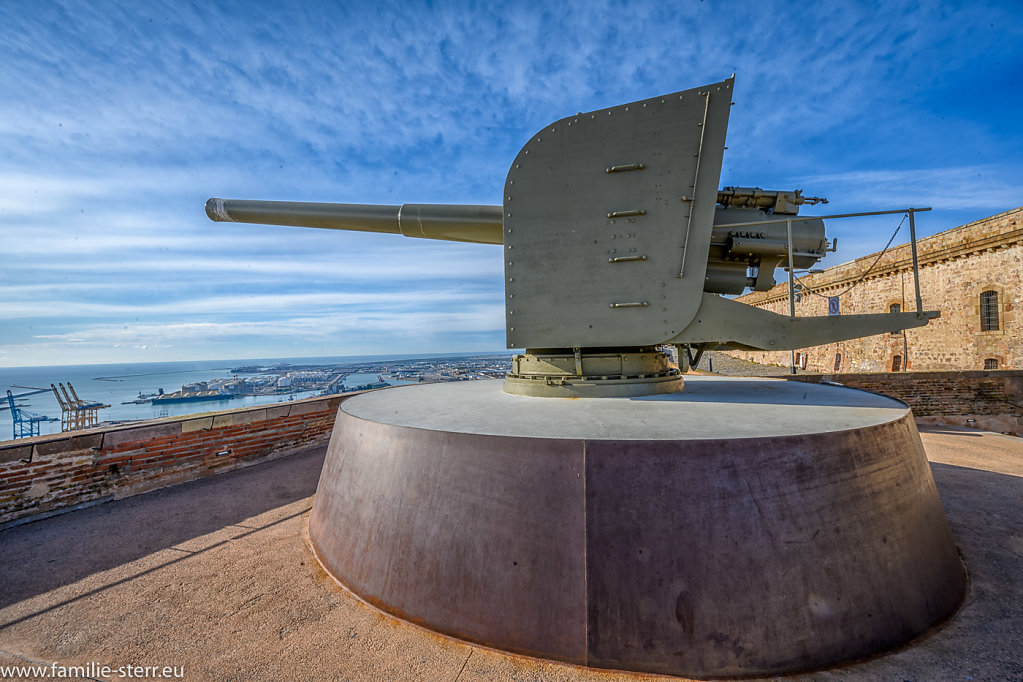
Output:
x=43 y=555
x=259 y=608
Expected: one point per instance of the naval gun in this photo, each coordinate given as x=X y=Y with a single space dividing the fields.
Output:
x=617 y=240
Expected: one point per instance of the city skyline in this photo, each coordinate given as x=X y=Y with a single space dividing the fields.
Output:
x=121 y=119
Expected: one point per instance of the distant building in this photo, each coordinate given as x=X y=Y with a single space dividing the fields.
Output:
x=973 y=274
x=236 y=387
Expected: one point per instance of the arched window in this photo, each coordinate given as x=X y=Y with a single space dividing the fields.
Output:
x=897 y=363
x=838 y=361
x=989 y=311
x=894 y=309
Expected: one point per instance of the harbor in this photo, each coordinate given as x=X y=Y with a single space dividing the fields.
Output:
x=139 y=391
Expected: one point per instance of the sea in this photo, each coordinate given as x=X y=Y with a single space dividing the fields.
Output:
x=116 y=384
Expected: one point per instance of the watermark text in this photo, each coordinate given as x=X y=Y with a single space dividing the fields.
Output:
x=94 y=670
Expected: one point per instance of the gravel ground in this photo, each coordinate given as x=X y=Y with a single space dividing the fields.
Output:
x=216 y=576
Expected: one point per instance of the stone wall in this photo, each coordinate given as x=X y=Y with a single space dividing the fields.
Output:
x=992 y=401
x=47 y=474
x=955 y=267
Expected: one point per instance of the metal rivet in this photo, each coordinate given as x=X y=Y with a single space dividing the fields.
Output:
x=509 y=247
x=511 y=279
x=509 y=229
x=509 y=198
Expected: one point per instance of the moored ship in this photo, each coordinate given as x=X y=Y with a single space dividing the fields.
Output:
x=196 y=397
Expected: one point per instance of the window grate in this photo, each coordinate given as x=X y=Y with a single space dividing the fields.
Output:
x=989 y=311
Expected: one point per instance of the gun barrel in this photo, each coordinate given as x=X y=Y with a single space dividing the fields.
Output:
x=475 y=224
x=779 y=201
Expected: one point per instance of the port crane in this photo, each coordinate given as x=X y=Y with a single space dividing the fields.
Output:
x=26 y=424
x=75 y=412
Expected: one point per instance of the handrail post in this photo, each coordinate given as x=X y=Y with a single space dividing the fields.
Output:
x=792 y=290
x=916 y=265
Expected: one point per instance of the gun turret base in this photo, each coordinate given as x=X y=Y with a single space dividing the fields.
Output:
x=741 y=527
x=592 y=373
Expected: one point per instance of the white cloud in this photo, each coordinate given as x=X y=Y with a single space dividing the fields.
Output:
x=266 y=305
x=474 y=317
x=119 y=120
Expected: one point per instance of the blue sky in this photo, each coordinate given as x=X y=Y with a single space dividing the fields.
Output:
x=119 y=119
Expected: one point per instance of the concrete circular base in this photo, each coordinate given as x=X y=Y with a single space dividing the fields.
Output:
x=742 y=527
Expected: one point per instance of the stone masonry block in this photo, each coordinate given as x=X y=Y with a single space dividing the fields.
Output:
x=249 y=416
x=222 y=420
x=14 y=453
x=305 y=408
x=69 y=444
x=114 y=438
x=278 y=411
x=204 y=423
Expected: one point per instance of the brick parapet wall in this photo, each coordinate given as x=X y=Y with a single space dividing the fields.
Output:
x=46 y=474
x=990 y=400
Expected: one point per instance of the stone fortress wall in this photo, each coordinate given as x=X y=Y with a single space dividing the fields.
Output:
x=956 y=267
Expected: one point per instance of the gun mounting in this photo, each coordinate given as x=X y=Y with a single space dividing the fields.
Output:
x=618 y=240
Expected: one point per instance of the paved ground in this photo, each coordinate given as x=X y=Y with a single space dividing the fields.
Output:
x=216 y=576
x=719 y=362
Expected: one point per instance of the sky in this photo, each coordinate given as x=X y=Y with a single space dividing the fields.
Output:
x=119 y=119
